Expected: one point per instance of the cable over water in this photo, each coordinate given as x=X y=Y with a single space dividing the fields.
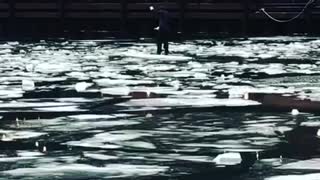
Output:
x=291 y=19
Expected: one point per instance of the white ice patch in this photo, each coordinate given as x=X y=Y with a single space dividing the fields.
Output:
x=273 y=69
x=138 y=144
x=82 y=170
x=10 y=135
x=228 y=159
x=121 y=82
x=120 y=91
x=61 y=108
x=86 y=125
x=114 y=139
x=98 y=116
x=311 y=164
x=140 y=55
x=16 y=104
x=315 y=176
x=99 y=156
x=82 y=86
x=195 y=102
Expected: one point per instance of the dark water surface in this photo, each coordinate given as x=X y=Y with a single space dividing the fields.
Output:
x=89 y=110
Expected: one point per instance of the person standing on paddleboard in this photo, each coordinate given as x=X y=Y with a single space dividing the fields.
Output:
x=163 y=30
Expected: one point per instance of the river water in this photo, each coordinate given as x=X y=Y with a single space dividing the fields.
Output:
x=89 y=110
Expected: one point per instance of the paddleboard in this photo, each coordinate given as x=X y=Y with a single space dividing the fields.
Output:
x=157 y=56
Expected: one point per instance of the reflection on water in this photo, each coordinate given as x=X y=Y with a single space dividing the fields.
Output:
x=94 y=110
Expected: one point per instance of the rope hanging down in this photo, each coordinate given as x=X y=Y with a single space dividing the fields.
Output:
x=288 y=20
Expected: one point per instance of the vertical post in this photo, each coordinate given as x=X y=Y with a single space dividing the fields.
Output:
x=182 y=6
x=124 y=16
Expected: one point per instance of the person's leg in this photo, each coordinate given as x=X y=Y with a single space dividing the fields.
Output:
x=159 y=43
x=166 y=47
x=159 y=47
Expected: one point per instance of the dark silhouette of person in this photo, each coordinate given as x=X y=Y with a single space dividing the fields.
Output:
x=164 y=30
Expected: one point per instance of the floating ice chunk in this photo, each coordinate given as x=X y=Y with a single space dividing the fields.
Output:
x=8 y=135
x=5 y=51
x=194 y=64
x=228 y=159
x=28 y=85
x=139 y=144
x=296 y=177
x=4 y=137
x=78 y=75
x=121 y=82
x=90 y=57
x=99 y=156
x=295 y=112
x=62 y=108
x=200 y=76
x=82 y=86
x=39 y=48
x=84 y=171
x=124 y=91
x=12 y=43
x=29 y=67
x=176 y=84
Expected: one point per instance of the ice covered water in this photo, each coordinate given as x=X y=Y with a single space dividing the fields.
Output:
x=88 y=110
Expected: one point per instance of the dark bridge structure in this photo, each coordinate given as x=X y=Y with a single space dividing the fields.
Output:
x=38 y=18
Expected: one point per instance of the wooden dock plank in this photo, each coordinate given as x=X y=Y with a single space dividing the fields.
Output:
x=92 y=15
x=36 y=6
x=93 y=6
x=37 y=14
